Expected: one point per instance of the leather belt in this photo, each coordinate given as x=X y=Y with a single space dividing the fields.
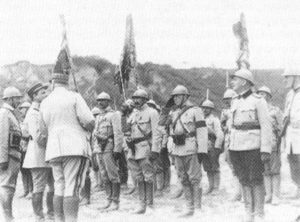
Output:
x=246 y=127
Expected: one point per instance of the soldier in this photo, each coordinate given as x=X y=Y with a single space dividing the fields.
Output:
x=189 y=132
x=272 y=169
x=10 y=156
x=26 y=174
x=225 y=115
x=126 y=110
x=291 y=126
x=162 y=165
x=99 y=182
x=67 y=122
x=215 y=145
x=143 y=144
x=108 y=133
x=35 y=156
x=250 y=142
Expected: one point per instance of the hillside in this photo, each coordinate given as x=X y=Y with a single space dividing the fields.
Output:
x=94 y=75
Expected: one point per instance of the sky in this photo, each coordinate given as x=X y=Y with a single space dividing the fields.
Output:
x=181 y=33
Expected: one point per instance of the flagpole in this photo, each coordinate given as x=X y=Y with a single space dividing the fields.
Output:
x=65 y=40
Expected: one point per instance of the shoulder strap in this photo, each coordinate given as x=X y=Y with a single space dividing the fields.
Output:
x=180 y=114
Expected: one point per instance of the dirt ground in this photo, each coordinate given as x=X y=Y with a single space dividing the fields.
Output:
x=215 y=208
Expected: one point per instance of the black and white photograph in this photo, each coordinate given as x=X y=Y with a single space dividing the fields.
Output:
x=150 y=110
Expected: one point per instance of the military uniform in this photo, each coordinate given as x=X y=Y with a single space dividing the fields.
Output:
x=250 y=136
x=292 y=139
x=10 y=137
x=108 y=134
x=143 y=138
x=191 y=123
x=67 y=121
x=35 y=161
x=215 y=145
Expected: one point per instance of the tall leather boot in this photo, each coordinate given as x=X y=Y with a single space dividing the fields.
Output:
x=249 y=204
x=197 y=194
x=210 y=177
x=189 y=207
x=58 y=208
x=108 y=191
x=37 y=205
x=86 y=191
x=237 y=195
x=71 y=206
x=167 y=179
x=142 y=198
x=115 y=196
x=159 y=184
x=268 y=188
x=149 y=193
x=259 y=202
x=6 y=204
x=49 y=202
x=216 y=186
x=276 y=189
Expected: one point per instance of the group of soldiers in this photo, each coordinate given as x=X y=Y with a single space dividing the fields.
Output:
x=59 y=138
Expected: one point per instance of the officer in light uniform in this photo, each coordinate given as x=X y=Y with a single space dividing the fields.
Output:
x=26 y=174
x=35 y=156
x=291 y=124
x=67 y=122
x=10 y=153
x=215 y=142
x=225 y=115
x=272 y=170
x=108 y=133
x=250 y=142
x=190 y=138
x=143 y=145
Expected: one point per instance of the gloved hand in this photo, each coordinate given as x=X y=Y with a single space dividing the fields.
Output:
x=153 y=156
x=117 y=156
x=4 y=166
x=265 y=157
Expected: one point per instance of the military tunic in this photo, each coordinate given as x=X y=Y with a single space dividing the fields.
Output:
x=251 y=134
x=191 y=123
x=108 y=129
x=67 y=121
x=142 y=123
x=10 y=138
x=35 y=155
x=215 y=141
x=273 y=167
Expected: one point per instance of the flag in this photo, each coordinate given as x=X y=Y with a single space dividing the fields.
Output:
x=128 y=58
x=240 y=31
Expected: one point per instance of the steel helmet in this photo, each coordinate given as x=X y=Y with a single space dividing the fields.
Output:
x=180 y=90
x=25 y=105
x=140 y=93
x=265 y=89
x=208 y=104
x=103 y=96
x=95 y=111
x=129 y=103
x=245 y=74
x=229 y=94
x=151 y=101
x=10 y=92
x=291 y=72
